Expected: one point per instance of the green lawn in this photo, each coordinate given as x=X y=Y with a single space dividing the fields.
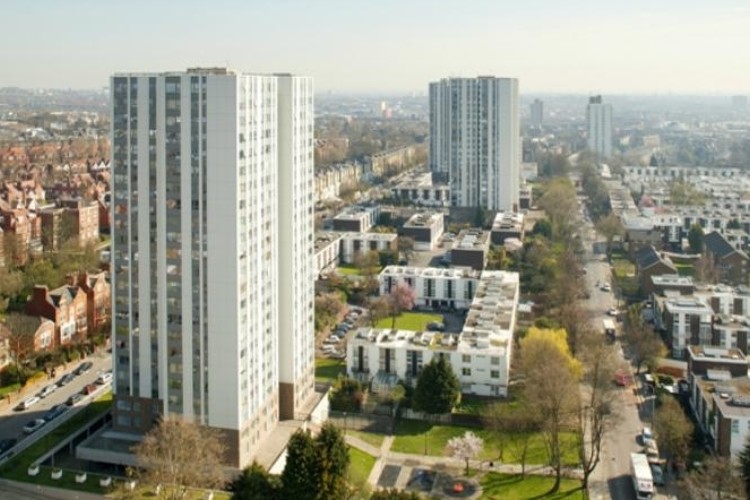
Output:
x=9 y=389
x=410 y=438
x=372 y=438
x=623 y=268
x=473 y=405
x=514 y=487
x=360 y=466
x=328 y=370
x=685 y=269
x=410 y=321
x=348 y=270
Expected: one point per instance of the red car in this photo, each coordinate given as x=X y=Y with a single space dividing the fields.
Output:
x=89 y=389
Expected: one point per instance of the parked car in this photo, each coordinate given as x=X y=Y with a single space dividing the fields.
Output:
x=612 y=311
x=74 y=399
x=646 y=435
x=435 y=326
x=55 y=412
x=7 y=444
x=47 y=390
x=33 y=425
x=91 y=388
x=27 y=403
x=658 y=474
x=332 y=340
x=104 y=378
x=84 y=367
x=606 y=287
x=66 y=379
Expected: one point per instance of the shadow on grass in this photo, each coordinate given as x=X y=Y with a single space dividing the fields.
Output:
x=530 y=487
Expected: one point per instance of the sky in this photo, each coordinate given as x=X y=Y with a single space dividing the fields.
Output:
x=388 y=46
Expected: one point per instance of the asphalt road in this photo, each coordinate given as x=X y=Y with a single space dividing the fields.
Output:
x=12 y=421
x=611 y=478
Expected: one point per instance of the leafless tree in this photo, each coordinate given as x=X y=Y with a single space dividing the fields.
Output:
x=179 y=455
x=716 y=479
x=673 y=429
x=19 y=331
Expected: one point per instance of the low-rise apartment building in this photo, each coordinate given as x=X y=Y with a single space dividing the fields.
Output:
x=434 y=287
x=686 y=320
x=731 y=262
x=327 y=252
x=471 y=248
x=356 y=243
x=420 y=189
x=66 y=307
x=426 y=230
x=507 y=225
x=358 y=219
x=648 y=263
x=480 y=354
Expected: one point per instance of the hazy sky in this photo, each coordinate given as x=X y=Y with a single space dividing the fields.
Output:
x=681 y=46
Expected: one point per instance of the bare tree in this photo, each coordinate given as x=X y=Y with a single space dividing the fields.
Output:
x=179 y=455
x=406 y=246
x=645 y=344
x=20 y=330
x=596 y=414
x=465 y=447
x=610 y=227
x=380 y=308
x=706 y=270
x=716 y=479
x=513 y=428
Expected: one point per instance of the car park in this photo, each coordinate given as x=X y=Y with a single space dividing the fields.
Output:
x=28 y=403
x=104 y=378
x=74 y=399
x=47 y=390
x=7 y=444
x=33 y=425
x=84 y=367
x=65 y=379
x=55 y=412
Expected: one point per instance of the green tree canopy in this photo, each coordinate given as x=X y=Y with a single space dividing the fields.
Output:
x=695 y=238
x=437 y=389
x=255 y=483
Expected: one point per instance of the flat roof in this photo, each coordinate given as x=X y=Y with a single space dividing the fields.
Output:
x=472 y=239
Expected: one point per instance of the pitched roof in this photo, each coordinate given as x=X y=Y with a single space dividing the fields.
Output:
x=719 y=246
x=647 y=257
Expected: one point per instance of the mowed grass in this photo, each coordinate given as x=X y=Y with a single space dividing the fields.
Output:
x=410 y=438
x=347 y=270
x=372 y=438
x=360 y=465
x=514 y=487
x=9 y=389
x=328 y=370
x=415 y=321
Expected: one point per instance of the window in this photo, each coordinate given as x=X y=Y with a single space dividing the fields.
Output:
x=735 y=426
x=494 y=374
x=466 y=358
x=466 y=372
x=494 y=360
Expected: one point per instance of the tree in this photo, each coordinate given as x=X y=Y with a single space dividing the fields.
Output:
x=706 y=270
x=405 y=246
x=368 y=264
x=542 y=227
x=299 y=478
x=560 y=204
x=346 y=395
x=333 y=463
x=744 y=460
x=167 y=456
x=20 y=330
x=610 y=227
x=380 y=308
x=438 y=388
x=255 y=483
x=551 y=387
x=673 y=429
x=328 y=306
x=596 y=412
x=465 y=447
x=11 y=283
x=316 y=469
x=395 y=494
x=716 y=479
x=695 y=238
x=645 y=345
x=526 y=422
x=402 y=298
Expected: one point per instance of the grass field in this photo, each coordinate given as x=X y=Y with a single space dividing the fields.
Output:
x=513 y=487
x=348 y=270
x=328 y=370
x=623 y=268
x=368 y=437
x=360 y=466
x=410 y=438
x=410 y=321
x=685 y=269
x=9 y=389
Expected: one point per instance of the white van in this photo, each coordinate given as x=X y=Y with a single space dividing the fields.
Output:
x=28 y=403
x=104 y=378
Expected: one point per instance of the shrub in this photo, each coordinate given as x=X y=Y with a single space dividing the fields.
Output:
x=346 y=395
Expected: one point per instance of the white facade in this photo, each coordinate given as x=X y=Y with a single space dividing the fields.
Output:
x=681 y=311
x=599 y=125
x=474 y=140
x=434 y=286
x=354 y=243
x=480 y=354
x=327 y=252
x=212 y=263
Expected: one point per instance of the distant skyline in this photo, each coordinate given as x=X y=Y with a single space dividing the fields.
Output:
x=579 y=46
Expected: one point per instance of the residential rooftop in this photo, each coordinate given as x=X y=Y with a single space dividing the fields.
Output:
x=710 y=353
x=423 y=220
x=472 y=239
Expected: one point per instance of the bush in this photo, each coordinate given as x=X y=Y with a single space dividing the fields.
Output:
x=346 y=395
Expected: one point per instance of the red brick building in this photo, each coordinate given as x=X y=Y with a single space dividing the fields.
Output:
x=98 y=305
x=66 y=307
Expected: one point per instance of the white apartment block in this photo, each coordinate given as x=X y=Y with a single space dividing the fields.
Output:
x=687 y=321
x=212 y=255
x=480 y=354
x=475 y=140
x=327 y=252
x=426 y=230
x=356 y=243
x=599 y=126
x=435 y=287
x=420 y=189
